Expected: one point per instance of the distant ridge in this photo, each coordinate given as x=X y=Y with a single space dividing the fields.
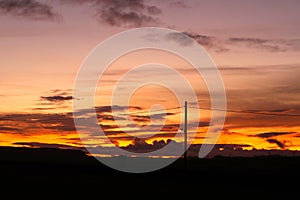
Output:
x=44 y=155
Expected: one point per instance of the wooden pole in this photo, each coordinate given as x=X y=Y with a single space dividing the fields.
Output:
x=185 y=134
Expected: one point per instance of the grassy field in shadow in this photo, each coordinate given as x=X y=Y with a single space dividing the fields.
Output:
x=58 y=169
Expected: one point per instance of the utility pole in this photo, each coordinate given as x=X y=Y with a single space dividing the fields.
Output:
x=185 y=134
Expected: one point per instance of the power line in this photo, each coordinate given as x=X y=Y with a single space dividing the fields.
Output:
x=223 y=110
x=147 y=111
x=250 y=112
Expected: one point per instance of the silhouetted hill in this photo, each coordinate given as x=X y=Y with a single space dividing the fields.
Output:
x=60 y=169
x=43 y=155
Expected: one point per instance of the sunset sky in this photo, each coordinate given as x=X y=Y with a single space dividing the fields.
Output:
x=255 y=44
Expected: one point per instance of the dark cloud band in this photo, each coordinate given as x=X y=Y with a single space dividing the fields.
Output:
x=29 y=9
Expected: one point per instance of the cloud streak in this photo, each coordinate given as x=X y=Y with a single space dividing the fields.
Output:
x=179 y=4
x=129 y=13
x=272 y=134
x=28 y=9
x=148 y=118
x=228 y=44
x=56 y=98
x=8 y=128
x=277 y=142
x=105 y=109
x=36 y=121
x=124 y=13
x=258 y=43
x=209 y=42
x=46 y=145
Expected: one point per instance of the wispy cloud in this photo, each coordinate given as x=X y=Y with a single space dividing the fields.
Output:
x=132 y=13
x=221 y=45
x=46 y=145
x=206 y=41
x=209 y=42
x=277 y=142
x=103 y=109
x=269 y=45
x=272 y=134
x=56 y=98
x=258 y=43
x=28 y=9
x=27 y=123
x=148 y=118
x=240 y=120
x=8 y=128
x=124 y=13
x=179 y=4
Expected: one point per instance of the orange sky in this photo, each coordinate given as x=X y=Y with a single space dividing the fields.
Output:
x=254 y=45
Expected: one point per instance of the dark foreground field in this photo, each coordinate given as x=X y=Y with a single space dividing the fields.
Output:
x=72 y=172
